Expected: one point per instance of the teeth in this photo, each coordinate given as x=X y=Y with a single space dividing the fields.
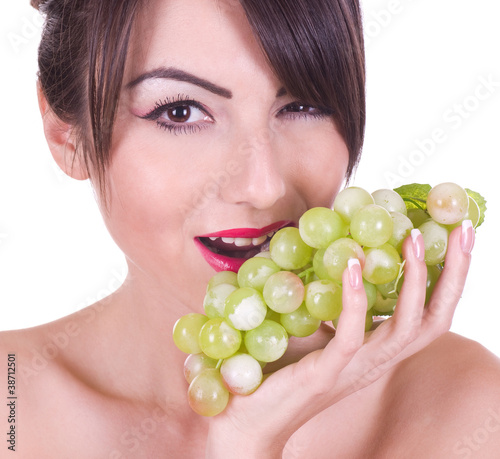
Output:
x=258 y=240
x=244 y=241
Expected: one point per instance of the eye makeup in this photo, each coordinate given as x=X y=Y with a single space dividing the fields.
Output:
x=184 y=115
x=295 y=110
x=180 y=115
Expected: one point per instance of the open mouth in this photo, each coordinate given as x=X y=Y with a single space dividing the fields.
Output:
x=237 y=247
x=229 y=249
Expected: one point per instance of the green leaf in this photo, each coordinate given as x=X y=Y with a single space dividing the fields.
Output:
x=481 y=202
x=414 y=195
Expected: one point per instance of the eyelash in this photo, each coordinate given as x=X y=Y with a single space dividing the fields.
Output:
x=321 y=112
x=181 y=100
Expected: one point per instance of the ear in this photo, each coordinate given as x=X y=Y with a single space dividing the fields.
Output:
x=61 y=140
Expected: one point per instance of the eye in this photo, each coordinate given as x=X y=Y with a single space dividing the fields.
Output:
x=181 y=115
x=303 y=110
x=299 y=108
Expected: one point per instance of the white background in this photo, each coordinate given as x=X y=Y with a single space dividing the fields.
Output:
x=427 y=64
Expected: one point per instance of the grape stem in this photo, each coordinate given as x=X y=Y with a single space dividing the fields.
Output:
x=401 y=272
x=219 y=363
x=306 y=273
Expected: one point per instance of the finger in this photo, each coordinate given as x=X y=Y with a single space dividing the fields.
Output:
x=394 y=335
x=450 y=284
x=349 y=335
x=327 y=364
x=407 y=316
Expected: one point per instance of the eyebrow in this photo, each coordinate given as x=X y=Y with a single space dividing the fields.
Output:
x=173 y=73
x=281 y=92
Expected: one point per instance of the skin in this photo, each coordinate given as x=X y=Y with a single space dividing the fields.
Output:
x=107 y=381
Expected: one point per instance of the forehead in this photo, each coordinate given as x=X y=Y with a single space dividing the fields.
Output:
x=209 y=35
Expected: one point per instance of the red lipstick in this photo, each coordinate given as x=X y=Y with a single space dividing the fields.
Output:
x=227 y=250
x=250 y=232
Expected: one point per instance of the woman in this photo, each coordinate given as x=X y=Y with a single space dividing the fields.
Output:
x=198 y=119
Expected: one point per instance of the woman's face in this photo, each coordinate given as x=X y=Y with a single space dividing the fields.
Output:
x=209 y=153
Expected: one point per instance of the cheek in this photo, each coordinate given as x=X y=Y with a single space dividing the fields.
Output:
x=146 y=199
x=150 y=174
x=321 y=167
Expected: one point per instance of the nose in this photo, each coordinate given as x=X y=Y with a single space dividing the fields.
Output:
x=259 y=181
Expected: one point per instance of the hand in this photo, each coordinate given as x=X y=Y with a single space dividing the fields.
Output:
x=261 y=423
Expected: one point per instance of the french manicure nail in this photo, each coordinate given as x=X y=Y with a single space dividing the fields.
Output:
x=418 y=244
x=468 y=236
x=355 y=275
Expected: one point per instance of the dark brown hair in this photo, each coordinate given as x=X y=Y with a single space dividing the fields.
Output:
x=81 y=61
x=315 y=48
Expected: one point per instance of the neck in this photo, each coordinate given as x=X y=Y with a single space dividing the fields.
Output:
x=131 y=343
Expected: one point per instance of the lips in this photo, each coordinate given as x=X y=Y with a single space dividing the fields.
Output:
x=227 y=250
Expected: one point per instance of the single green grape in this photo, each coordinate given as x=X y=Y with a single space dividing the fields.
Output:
x=300 y=323
x=288 y=250
x=186 y=331
x=207 y=394
x=402 y=227
x=350 y=200
x=223 y=277
x=218 y=339
x=284 y=292
x=371 y=226
x=435 y=241
x=245 y=308
x=268 y=342
x=338 y=254
x=390 y=200
x=381 y=264
x=447 y=203
x=255 y=271
x=241 y=373
x=320 y=226
x=323 y=299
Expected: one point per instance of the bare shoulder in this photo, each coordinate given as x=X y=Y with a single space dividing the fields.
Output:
x=445 y=402
x=43 y=349
x=53 y=409
x=61 y=410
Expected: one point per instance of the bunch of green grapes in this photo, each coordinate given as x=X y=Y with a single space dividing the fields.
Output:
x=296 y=285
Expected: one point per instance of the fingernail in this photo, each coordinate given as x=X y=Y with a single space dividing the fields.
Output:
x=418 y=244
x=468 y=236
x=355 y=275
